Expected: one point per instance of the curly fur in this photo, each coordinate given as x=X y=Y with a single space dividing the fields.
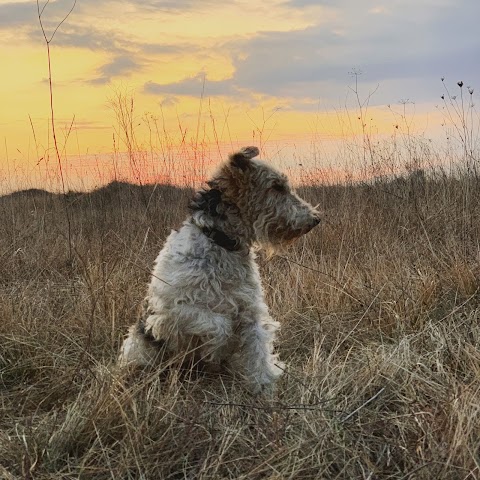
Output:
x=205 y=297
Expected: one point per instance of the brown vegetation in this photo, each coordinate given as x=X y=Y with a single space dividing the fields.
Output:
x=380 y=314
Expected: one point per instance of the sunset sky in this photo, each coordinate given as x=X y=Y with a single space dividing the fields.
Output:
x=221 y=73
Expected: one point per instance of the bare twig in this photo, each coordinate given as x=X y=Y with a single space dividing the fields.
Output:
x=48 y=41
x=364 y=404
x=277 y=406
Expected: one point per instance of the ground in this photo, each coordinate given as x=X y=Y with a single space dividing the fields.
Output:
x=380 y=314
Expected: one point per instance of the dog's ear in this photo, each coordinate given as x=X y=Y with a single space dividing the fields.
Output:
x=241 y=159
x=207 y=201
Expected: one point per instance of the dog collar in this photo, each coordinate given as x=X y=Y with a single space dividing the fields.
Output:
x=222 y=239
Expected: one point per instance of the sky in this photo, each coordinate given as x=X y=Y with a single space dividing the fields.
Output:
x=196 y=79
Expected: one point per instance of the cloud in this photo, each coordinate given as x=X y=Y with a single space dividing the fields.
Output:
x=14 y=14
x=168 y=49
x=176 y=6
x=79 y=32
x=401 y=48
x=123 y=65
x=25 y=14
x=193 y=86
x=169 y=101
x=406 y=46
x=310 y=3
x=403 y=52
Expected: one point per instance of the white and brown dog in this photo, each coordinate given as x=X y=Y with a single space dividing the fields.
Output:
x=205 y=299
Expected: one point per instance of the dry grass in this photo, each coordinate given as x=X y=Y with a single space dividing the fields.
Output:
x=380 y=312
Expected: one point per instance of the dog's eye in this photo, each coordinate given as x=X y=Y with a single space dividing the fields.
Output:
x=278 y=187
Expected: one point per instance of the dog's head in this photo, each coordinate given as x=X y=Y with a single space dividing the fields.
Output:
x=267 y=203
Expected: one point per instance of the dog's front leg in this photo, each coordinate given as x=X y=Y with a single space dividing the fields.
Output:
x=256 y=358
x=207 y=331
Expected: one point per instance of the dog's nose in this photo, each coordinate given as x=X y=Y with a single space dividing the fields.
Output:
x=316 y=220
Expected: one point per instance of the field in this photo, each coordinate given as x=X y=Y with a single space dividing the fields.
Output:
x=380 y=313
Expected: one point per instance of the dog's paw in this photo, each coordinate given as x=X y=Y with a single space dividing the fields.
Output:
x=249 y=152
x=265 y=390
x=265 y=384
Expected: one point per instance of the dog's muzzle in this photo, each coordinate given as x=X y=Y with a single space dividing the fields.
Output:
x=316 y=219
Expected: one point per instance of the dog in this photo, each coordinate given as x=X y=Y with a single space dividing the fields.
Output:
x=205 y=299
